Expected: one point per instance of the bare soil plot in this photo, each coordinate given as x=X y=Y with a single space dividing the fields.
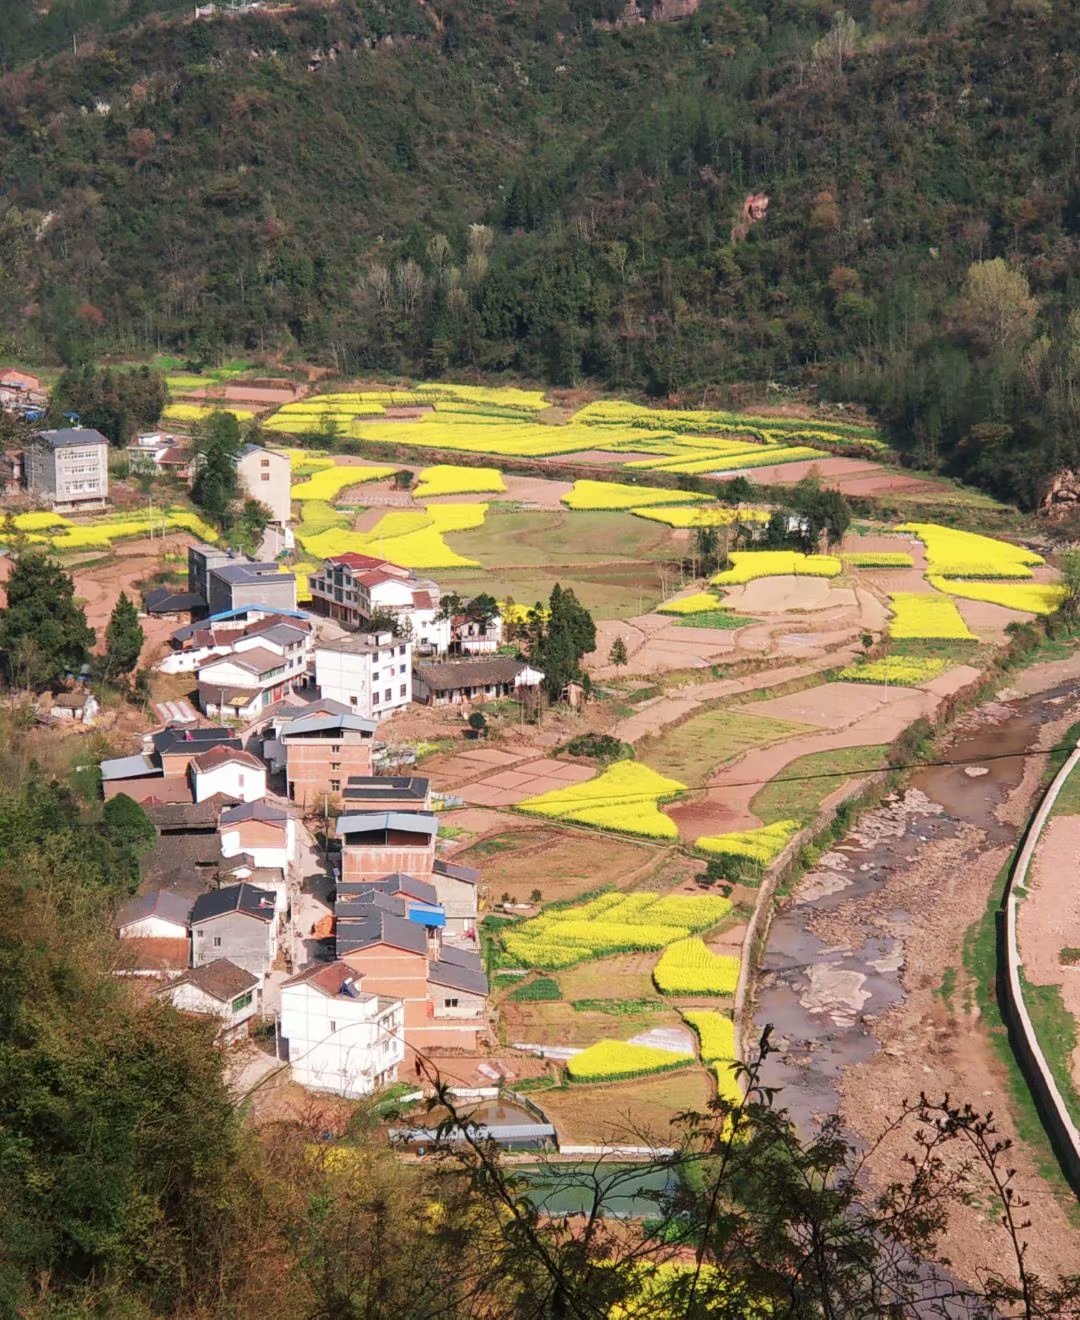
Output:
x=828 y=704
x=627 y=1113
x=786 y=594
x=507 y=788
x=626 y=976
x=656 y=644
x=557 y=1023
x=561 y=864
x=1049 y=920
x=99 y=587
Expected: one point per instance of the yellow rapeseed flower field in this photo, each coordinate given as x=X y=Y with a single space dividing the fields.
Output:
x=450 y=479
x=329 y=482
x=750 y=564
x=1028 y=597
x=716 y=1034
x=760 y=846
x=612 y=495
x=952 y=553
x=617 y=1060
x=927 y=617
x=624 y=797
x=719 y=516
x=691 y=968
x=899 y=670
x=701 y=602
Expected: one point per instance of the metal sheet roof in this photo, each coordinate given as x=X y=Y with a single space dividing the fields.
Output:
x=370 y=822
x=129 y=767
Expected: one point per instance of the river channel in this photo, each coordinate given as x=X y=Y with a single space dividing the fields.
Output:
x=835 y=959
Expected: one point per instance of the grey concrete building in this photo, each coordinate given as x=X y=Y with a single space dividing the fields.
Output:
x=201 y=559
x=238 y=922
x=246 y=582
x=69 y=468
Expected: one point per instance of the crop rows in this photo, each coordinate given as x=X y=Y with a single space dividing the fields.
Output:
x=690 y=968
x=918 y=615
x=624 y=797
x=760 y=846
x=1029 y=597
x=619 y=1060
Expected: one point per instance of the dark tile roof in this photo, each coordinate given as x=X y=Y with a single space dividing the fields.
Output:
x=254 y=811
x=250 y=572
x=172 y=817
x=327 y=725
x=161 y=903
x=163 y=600
x=456 y=957
x=380 y=927
x=445 y=676
x=221 y=979
x=378 y=788
x=385 y=822
x=194 y=740
x=243 y=898
x=409 y=885
x=456 y=871
x=458 y=978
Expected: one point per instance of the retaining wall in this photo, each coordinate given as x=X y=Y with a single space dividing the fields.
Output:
x=1060 y=1129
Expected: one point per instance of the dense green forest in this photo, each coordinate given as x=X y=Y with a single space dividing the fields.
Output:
x=393 y=188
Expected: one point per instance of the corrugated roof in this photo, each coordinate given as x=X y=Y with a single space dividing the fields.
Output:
x=371 y=822
x=467 y=874
x=325 y=723
x=193 y=740
x=68 y=436
x=372 y=788
x=128 y=767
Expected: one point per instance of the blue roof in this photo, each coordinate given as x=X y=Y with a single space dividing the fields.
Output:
x=427 y=916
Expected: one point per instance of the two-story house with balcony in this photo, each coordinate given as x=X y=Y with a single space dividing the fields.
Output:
x=356 y=589
x=263 y=664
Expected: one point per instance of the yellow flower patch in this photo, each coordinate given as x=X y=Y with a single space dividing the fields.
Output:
x=612 y=495
x=927 y=618
x=624 y=797
x=329 y=482
x=701 y=602
x=1028 y=597
x=411 y=539
x=760 y=846
x=716 y=1034
x=748 y=565
x=449 y=479
x=899 y=670
x=199 y=412
x=36 y=522
x=691 y=968
x=953 y=553
x=617 y=1060
x=762 y=456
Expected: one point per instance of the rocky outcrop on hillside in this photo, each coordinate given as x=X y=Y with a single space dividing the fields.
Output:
x=1062 y=498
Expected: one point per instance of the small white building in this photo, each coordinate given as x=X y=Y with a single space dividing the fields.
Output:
x=235 y=774
x=263 y=834
x=371 y=673
x=266 y=475
x=339 y=1038
x=220 y=990
x=159 y=914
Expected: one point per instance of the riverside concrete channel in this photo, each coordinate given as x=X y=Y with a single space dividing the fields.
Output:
x=838 y=966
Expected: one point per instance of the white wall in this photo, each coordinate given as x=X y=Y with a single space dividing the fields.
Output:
x=337 y=1044
x=232 y=846
x=239 y=781
x=189 y=998
x=153 y=928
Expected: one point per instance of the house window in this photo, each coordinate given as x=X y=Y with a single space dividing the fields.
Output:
x=335 y=748
x=201 y=934
x=335 y=765
x=333 y=1027
x=217 y=941
x=388 y=695
x=353 y=701
x=375 y=676
x=335 y=785
x=265 y=463
x=403 y=689
x=242 y=1002
x=401 y=650
x=401 y=669
x=266 y=476
x=449 y=1003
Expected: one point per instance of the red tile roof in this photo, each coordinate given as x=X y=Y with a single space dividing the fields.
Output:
x=219 y=756
x=354 y=560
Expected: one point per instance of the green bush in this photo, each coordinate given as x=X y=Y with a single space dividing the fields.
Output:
x=544 y=988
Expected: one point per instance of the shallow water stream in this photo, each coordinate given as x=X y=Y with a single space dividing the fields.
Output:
x=821 y=998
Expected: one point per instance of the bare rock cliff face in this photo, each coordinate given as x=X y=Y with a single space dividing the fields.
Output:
x=662 y=11
x=1062 y=496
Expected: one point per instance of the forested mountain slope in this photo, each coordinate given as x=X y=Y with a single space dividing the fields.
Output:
x=314 y=179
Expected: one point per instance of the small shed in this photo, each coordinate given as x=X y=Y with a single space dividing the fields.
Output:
x=78 y=706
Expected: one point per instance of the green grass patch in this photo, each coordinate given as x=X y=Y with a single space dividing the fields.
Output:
x=1055 y=1028
x=947 y=988
x=542 y=989
x=713 y=619
x=692 y=750
x=954 y=652
x=1068 y=800
x=618 y=1007
x=797 y=793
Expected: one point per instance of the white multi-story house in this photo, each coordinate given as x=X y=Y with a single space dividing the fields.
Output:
x=262 y=665
x=70 y=467
x=370 y=673
x=230 y=771
x=266 y=475
x=220 y=990
x=340 y=1039
x=158 y=452
x=263 y=834
x=354 y=589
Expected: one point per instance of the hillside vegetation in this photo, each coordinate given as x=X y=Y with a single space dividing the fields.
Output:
x=393 y=188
